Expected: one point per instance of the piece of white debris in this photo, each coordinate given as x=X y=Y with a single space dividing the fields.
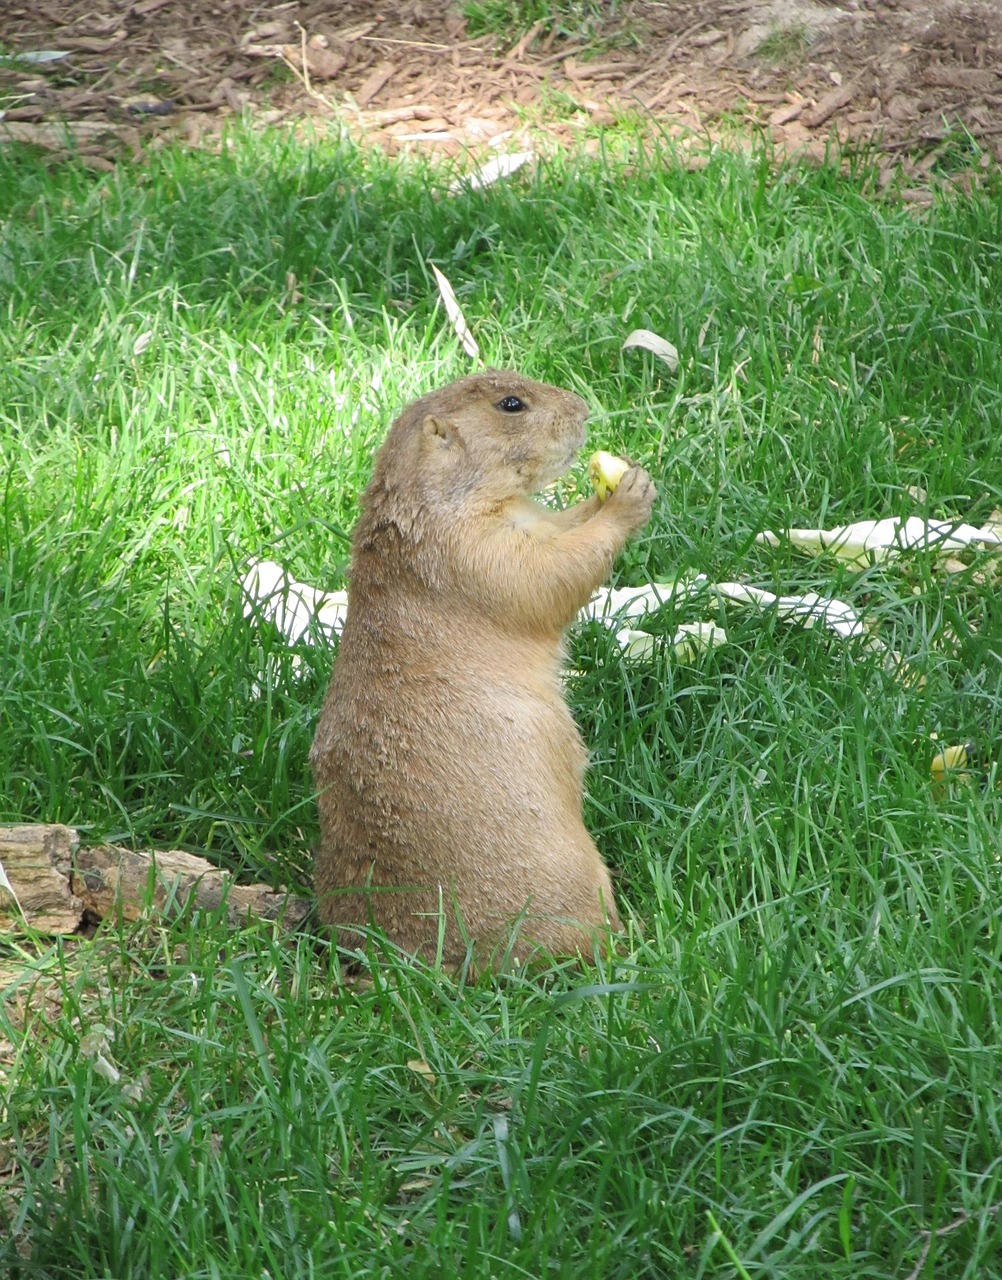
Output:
x=298 y=611
x=302 y=613
x=502 y=166
x=868 y=541
x=613 y=607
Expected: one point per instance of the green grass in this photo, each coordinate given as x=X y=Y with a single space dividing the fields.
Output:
x=794 y=1067
x=580 y=20
x=784 y=43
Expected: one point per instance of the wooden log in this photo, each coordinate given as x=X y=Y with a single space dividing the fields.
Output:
x=59 y=885
x=37 y=862
x=111 y=881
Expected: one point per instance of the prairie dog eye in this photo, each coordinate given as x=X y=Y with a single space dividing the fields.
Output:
x=512 y=404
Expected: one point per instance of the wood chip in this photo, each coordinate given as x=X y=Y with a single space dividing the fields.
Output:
x=829 y=105
x=430 y=138
x=783 y=115
x=517 y=51
x=967 y=78
x=916 y=195
x=372 y=84
x=901 y=108
x=671 y=86
x=393 y=115
x=437 y=124
x=321 y=63
x=62 y=136
x=351 y=34
x=35 y=113
x=92 y=44
x=261 y=35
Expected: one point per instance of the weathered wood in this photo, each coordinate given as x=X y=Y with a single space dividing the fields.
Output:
x=58 y=884
x=109 y=881
x=37 y=861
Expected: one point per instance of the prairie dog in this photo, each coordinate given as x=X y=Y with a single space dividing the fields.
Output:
x=449 y=770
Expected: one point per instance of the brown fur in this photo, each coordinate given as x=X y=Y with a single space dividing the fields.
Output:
x=449 y=770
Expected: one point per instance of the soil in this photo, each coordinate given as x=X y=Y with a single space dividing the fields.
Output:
x=901 y=75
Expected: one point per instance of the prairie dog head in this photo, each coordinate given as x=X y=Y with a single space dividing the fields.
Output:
x=488 y=437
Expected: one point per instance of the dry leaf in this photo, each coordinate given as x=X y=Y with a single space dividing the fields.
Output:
x=421 y=1068
x=96 y=1045
x=414 y=1185
x=656 y=345
x=455 y=313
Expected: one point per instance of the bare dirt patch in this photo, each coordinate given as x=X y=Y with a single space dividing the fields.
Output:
x=407 y=74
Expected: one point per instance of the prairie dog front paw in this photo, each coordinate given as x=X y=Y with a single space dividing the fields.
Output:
x=633 y=497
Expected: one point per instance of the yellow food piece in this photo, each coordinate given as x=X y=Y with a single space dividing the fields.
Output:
x=605 y=471
x=952 y=761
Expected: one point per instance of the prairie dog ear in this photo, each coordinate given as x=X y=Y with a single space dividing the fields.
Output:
x=439 y=434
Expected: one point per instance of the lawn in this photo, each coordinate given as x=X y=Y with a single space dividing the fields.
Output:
x=793 y=1068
